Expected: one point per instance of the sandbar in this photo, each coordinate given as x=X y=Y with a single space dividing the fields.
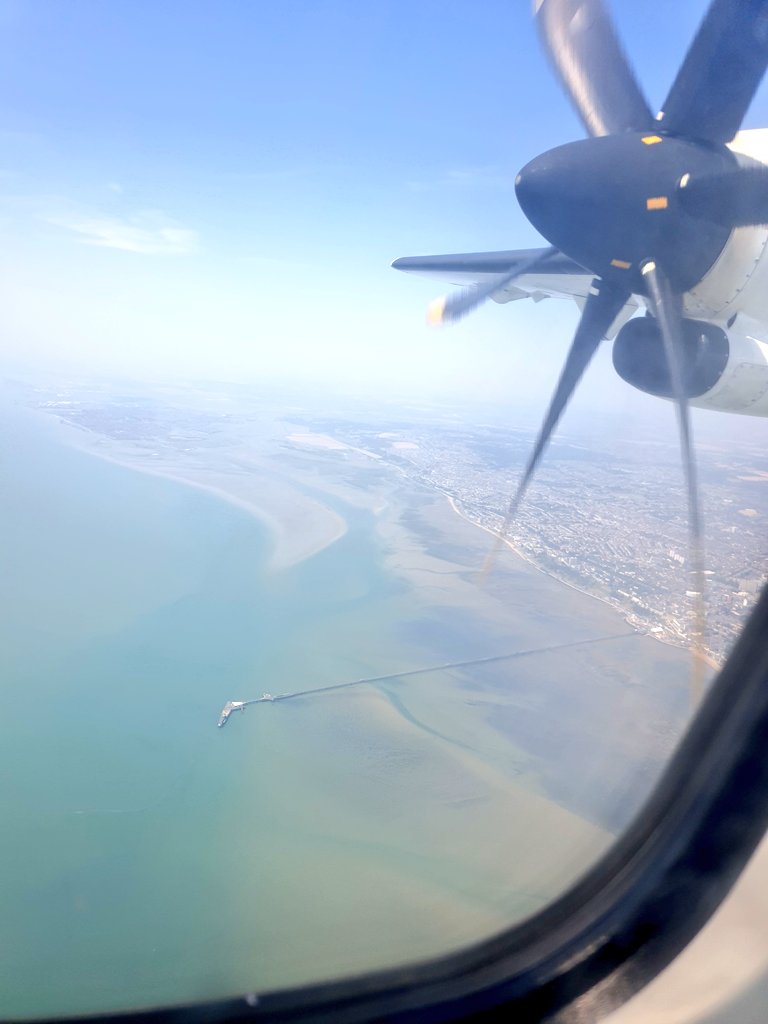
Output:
x=300 y=525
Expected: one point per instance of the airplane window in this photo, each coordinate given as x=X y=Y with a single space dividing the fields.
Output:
x=289 y=694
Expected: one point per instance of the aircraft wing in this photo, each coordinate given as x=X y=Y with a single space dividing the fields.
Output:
x=559 y=276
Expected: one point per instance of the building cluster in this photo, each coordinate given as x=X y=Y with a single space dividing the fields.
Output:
x=612 y=520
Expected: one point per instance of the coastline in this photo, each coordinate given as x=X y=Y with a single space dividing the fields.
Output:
x=701 y=655
x=300 y=526
x=534 y=565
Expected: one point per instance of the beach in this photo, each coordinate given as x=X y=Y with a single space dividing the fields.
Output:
x=299 y=526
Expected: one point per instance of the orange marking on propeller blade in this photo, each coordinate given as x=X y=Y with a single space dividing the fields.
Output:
x=651 y=140
x=621 y=264
x=657 y=203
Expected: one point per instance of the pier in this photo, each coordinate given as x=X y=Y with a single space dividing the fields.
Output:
x=240 y=705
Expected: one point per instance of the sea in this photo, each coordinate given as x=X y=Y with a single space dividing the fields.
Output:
x=150 y=858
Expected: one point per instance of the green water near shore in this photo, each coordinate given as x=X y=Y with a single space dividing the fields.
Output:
x=150 y=858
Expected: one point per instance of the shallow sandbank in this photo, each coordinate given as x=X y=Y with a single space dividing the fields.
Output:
x=300 y=526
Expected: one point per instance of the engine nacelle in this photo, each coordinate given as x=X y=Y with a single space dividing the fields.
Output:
x=728 y=372
x=640 y=360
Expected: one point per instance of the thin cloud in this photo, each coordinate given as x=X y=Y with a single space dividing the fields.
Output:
x=150 y=233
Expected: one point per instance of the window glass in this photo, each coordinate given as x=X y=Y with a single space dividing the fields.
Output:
x=266 y=717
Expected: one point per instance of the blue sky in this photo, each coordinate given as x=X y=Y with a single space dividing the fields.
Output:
x=218 y=189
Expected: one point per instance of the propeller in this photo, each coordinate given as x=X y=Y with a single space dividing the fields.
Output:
x=451 y=308
x=737 y=198
x=603 y=305
x=582 y=45
x=646 y=204
x=668 y=309
x=720 y=73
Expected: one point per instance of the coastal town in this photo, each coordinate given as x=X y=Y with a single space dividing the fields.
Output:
x=610 y=521
x=605 y=515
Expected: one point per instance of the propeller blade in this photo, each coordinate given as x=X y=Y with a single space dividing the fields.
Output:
x=451 y=308
x=587 y=55
x=737 y=198
x=720 y=73
x=667 y=308
x=603 y=305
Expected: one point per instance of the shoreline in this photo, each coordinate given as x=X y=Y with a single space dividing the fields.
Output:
x=288 y=548
x=701 y=655
x=529 y=561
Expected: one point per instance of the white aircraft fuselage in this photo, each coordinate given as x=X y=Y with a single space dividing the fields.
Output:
x=734 y=295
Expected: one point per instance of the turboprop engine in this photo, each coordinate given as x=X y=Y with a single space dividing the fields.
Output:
x=724 y=371
x=639 y=357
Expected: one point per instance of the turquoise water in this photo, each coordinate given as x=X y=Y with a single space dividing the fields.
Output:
x=149 y=857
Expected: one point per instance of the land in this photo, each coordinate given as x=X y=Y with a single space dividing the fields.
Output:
x=609 y=519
